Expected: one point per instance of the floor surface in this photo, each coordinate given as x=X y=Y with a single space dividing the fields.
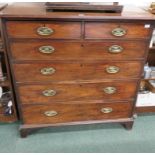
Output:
x=81 y=139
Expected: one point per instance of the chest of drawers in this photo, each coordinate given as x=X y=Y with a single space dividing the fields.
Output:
x=75 y=68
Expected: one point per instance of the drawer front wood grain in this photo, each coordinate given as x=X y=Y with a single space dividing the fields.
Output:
x=75 y=71
x=65 y=113
x=61 y=30
x=32 y=94
x=100 y=30
x=32 y=50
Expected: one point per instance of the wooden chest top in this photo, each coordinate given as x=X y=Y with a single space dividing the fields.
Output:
x=38 y=10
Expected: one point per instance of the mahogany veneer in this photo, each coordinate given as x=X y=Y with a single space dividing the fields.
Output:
x=75 y=67
x=98 y=50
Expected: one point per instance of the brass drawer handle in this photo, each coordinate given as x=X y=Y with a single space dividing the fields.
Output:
x=50 y=113
x=49 y=93
x=112 y=69
x=110 y=90
x=106 y=110
x=119 y=32
x=115 y=49
x=46 y=49
x=47 y=71
x=45 y=31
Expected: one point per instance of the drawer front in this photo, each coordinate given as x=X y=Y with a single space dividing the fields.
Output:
x=52 y=72
x=65 y=113
x=32 y=94
x=55 y=30
x=56 y=50
x=115 y=30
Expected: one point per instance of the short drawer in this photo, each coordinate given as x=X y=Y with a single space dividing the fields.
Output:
x=47 y=93
x=67 y=113
x=55 y=30
x=101 y=30
x=56 y=50
x=52 y=72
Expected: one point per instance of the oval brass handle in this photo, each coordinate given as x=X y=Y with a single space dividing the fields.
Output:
x=47 y=71
x=106 y=110
x=46 y=49
x=110 y=90
x=45 y=31
x=118 y=32
x=115 y=49
x=49 y=92
x=112 y=69
x=50 y=113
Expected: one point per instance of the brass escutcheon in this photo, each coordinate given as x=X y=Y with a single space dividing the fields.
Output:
x=112 y=69
x=49 y=92
x=118 y=32
x=115 y=49
x=45 y=31
x=47 y=71
x=46 y=49
x=106 y=110
x=110 y=90
x=50 y=113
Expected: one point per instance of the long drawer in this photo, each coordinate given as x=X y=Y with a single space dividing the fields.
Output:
x=62 y=50
x=99 y=30
x=51 y=72
x=55 y=30
x=66 y=113
x=46 y=93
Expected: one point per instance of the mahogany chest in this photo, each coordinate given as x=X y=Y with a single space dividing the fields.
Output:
x=73 y=67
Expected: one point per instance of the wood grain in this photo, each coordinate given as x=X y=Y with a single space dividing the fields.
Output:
x=74 y=112
x=80 y=64
x=33 y=94
x=101 y=30
x=62 y=30
x=64 y=50
x=34 y=11
x=75 y=71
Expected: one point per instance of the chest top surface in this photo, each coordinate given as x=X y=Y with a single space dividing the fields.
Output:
x=38 y=10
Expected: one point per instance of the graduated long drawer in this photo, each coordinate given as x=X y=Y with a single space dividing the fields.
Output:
x=52 y=72
x=70 y=113
x=63 y=50
x=50 y=93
